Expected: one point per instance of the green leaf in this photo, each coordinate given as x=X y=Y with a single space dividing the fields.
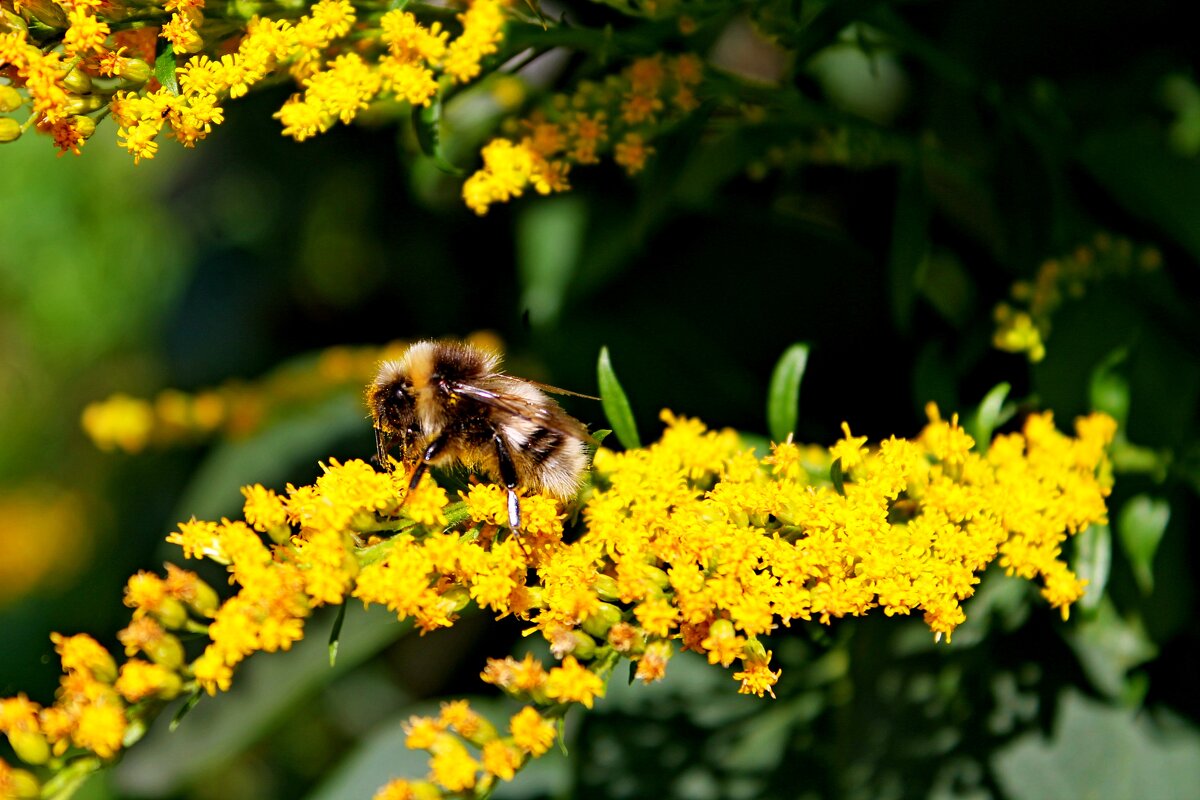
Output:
x=1101 y=753
x=837 y=476
x=335 y=634
x=1108 y=648
x=616 y=403
x=549 y=246
x=1108 y=388
x=427 y=124
x=783 y=396
x=1093 y=560
x=68 y=780
x=186 y=708
x=991 y=414
x=1141 y=524
x=164 y=69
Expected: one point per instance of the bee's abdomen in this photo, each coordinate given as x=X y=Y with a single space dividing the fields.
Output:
x=542 y=445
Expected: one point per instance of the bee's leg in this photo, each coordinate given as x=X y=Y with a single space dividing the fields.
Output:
x=383 y=443
x=431 y=452
x=508 y=474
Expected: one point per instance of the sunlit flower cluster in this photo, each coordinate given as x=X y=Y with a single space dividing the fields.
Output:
x=71 y=62
x=692 y=543
x=234 y=409
x=620 y=115
x=1024 y=325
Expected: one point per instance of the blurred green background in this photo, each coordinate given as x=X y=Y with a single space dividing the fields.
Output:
x=923 y=157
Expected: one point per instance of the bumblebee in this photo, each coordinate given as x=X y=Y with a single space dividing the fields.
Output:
x=449 y=404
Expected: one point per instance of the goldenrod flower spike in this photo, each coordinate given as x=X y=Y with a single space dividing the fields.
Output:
x=692 y=542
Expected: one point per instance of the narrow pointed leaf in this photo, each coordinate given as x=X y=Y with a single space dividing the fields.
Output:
x=186 y=708
x=837 y=476
x=335 y=634
x=427 y=123
x=1093 y=560
x=783 y=396
x=1108 y=388
x=616 y=403
x=991 y=414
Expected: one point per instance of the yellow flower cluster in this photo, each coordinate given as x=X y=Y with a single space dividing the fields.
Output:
x=450 y=739
x=693 y=542
x=622 y=115
x=1024 y=325
x=235 y=409
x=43 y=536
x=343 y=57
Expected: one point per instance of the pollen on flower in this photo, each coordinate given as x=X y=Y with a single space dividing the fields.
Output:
x=501 y=759
x=422 y=732
x=427 y=503
x=652 y=666
x=574 y=683
x=532 y=732
x=263 y=509
x=849 y=450
x=142 y=679
x=452 y=766
x=101 y=728
x=757 y=677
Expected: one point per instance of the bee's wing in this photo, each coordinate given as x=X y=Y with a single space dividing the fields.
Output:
x=545 y=387
x=548 y=416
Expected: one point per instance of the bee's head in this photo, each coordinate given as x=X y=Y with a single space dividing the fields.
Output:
x=391 y=399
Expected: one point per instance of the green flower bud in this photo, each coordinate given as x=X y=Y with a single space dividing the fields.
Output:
x=166 y=652
x=658 y=577
x=171 y=613
x=10 y=130
x=606 y=587
x=30 y=746
x=486 y=732
x=77 y=81
x=457 y=598
x=133 y=71
x=754 y=651
x=599 y=623
x=585 y=646
x=23 y=785
x=84 y=126
x=81 y=103
x=722 y=629
x=10 y=99
x=205 y=600
x=171 y=687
